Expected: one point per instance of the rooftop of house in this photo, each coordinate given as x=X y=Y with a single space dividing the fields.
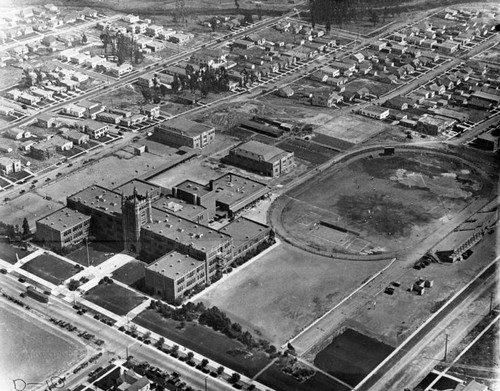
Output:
x=63 y=219
x=53 y=142
x=174 y=265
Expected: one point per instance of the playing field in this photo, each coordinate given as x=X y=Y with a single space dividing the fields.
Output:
x=379 y=203
x=286 y=289
x=351 y=127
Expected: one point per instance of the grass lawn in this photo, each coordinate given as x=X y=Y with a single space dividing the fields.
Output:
x=50 y=268
x=205 y=341
x=98 y=253
x=286 y=289
x=131 y=273
x=8 y=252
x=273 y=377
x=351 y=356
x=114 y=298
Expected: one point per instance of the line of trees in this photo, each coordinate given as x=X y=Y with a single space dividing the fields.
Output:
x=338 y=12
x=206 y=79
x=15 y=231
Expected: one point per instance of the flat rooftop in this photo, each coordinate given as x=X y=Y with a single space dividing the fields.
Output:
x=243 y=229
x=175 y=265
x=178 y=207
x=178 y=229
x=193 y=187
x=142 y=187
x=99 y=198
x=231 y=188
x=185 y=126
x=64 y=218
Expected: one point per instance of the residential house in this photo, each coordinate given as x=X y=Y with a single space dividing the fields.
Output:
x=17 y=133
x=76 y=137
x=108 y=117
x=48 y=148
x=46 y=120
x=74 y=110
x=430 y=126
x=93 y=128
x=152 y=111
x=285 y=92
x=326 y=98
x=9 y=166
x=376 y=112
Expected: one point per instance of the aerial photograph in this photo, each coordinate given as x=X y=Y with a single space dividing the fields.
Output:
x=269 y=195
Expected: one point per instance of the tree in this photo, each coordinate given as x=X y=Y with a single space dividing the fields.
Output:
x=235 y=377
x=374 y=17
x=175 y=348
x=190 y=356
x=73 y=284
x=26 y=228
x=204 y=362
x=220 y=370
x=84 y=39
x=146 y=94
x=160 y=342
x=147 y=335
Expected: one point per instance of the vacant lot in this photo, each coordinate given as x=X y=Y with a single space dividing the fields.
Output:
x=29 y=205
x=50 y=268
x=352 y=128
x=128 y=97
x=285 y=290
x=108 y=172
x=375 y=87
x=114 y=298
x=97 y=254
x=381 y=203
x=205 y=341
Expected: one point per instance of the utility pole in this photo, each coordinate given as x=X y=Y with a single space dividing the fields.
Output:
x=87 y=247
x=446 y=348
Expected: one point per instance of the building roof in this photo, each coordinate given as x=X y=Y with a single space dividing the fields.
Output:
x=75 y=134
x=178 y=207
x=268 y=153
x=193 y=187
x=53 y=142
x=185 y=126
x=174 y=265
x=142 y=187
x=100 y=198
x=178 y=229
x=375 y=109
x=231 y=189
x=64 y=218
x=243 y=229
x=431 y=121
